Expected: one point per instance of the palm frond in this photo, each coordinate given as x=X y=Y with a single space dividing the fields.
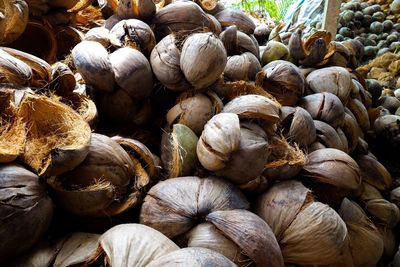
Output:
x=275 y=9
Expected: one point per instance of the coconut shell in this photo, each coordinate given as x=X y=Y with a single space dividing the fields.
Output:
x=173 y=206
x=219 y=139
x=374 y=173
x=178 y=151
x=56 y=142
x=250 y=233
x=325 y=107
x=26 y=210
x=196 y=257
x=351 y=130
x=134 y=245
x=203 y=59
x=38 y=39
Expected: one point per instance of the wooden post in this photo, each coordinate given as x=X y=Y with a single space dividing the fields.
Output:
x=331 y=16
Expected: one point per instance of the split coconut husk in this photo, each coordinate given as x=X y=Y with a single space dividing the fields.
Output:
x=174 y=206
x=69 y=250
x=178 y=151
x=285 y=161
x=138 y=245
x=57 y=138
x=26 y=210
x=308 y=232
x=12 y=130
x=106 y=183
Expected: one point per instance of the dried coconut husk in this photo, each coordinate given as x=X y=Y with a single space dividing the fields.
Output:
x=369 y=193
x=252 y=106
x=142 y=155
x=380 y=62
x=335 y=173
x=83 y=105
x=106 y=183
x=70 y=250
x=252 y=235
x=308 y=232
x=13 y=70
x=174 y=206
x=195 y=257
x=57 y=138
x=14 y=20
x=67 y=37
x=315 y=50
x=41 y=70
x=383 y=212
x=218 y=141
x=241 y=20
x=12 y=129
x=180 y=16
x=324 y=107
x=194 y=110
x=39 y=40
x=374 y=173
x=298 y=125
x=231 y=90
x=136 y=34
x=178 y=151
x=365 y=241
x=285 y=161
x=248 y=161
x=138 y=245
x=283 y=80
x=26 y=210
x=63 y=79
x=206 y=235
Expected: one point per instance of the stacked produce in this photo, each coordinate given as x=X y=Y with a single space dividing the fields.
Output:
x=376 y=24
x=169 y=137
